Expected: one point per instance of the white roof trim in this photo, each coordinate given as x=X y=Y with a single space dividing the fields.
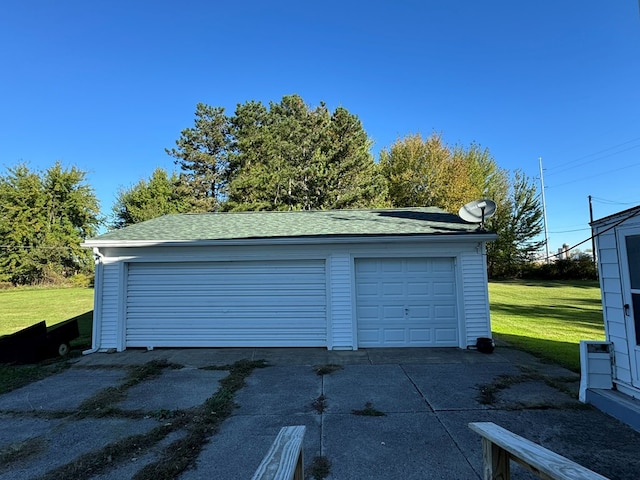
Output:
x=312 y=240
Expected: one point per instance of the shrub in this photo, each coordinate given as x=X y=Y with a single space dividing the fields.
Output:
x=81 y=280
x=581 y=268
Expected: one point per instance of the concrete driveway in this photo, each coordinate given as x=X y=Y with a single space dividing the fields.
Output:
x=96 y=420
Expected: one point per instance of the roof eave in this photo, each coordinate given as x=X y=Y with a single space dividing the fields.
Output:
x=299 y=240
x=629 y=213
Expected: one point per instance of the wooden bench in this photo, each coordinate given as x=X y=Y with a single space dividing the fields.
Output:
x=284 y=460
x=499 y=446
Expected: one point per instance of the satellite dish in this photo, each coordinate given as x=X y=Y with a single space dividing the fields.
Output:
x=478 y=211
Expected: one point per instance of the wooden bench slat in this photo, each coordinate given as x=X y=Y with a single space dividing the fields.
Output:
x=544 y=462
x=284 y=460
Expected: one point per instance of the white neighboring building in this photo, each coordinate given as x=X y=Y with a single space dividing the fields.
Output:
x=611 y=369
x=344 y=279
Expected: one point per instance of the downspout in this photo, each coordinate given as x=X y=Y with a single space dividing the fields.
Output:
x=97 y=302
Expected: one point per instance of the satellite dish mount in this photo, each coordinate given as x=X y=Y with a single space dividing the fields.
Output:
x=478 y=211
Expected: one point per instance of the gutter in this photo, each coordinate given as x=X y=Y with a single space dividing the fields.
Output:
x=97 y=302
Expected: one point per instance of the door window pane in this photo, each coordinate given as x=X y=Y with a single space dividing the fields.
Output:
x=633 y=257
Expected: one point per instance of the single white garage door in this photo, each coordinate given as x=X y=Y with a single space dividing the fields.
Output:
x=220 y=304
x=406 y=302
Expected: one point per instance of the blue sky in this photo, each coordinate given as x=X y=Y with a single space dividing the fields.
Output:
x=108 y=85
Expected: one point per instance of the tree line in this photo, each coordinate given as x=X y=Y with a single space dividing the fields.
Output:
x=282 y=156
x=43 y=218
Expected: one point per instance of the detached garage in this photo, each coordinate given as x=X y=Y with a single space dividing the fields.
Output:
x=344 y=279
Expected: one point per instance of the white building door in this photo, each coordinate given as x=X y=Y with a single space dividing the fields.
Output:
x=406 y=302
x=629 y=247
x=274 y=303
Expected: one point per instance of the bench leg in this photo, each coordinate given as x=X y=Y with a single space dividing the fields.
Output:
x=298 y=474
x=495 y=461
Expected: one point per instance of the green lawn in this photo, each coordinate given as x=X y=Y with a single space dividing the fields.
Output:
x=547 y=319
x=21 y=307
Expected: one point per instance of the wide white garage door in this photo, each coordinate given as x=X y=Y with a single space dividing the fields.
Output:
x=406 y=302
x=200 y=304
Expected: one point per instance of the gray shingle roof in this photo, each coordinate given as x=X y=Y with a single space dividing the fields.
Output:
x=256 y=225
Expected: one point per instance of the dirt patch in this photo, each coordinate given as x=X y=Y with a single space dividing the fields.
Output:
x=368 y=411
x=320 y=404
x=327 y=369
x=529 y=390
x=320 y=468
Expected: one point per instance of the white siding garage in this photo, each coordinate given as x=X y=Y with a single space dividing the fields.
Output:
x=344 y=279
x=406 y=302
x=267 y=303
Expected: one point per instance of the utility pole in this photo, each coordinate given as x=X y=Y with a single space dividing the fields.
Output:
x=593 y=239
x=544 y=212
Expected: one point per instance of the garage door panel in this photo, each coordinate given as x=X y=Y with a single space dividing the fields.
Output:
x=229 y=281
x=273 y=303
x=394 y=335
x=203 y=329
x=370 y=289
x=419 y=312
x=419 y=335
x=389 y=289
x=445 y=312
x=442 y=265
x=389 y=267
x=362 y=267
x=415 y=303
x=370 y=311
x=445 y=336
x=420 y=289
x=260 y=302
x=369 y=335
x=446 y=289
x=389 y=313
x=419 y=265
x=256 y=316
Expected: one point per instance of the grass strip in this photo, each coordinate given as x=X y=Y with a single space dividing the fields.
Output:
x=203 y=422
x=19 y=451
x=96 y=462
x=102 y=403
x=199 y=423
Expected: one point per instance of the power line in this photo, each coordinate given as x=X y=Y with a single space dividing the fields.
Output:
x=569 y=231
x=613 y=202
x=594 y=175
x=637 y=212
x=594 y=160
x=568 y=165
